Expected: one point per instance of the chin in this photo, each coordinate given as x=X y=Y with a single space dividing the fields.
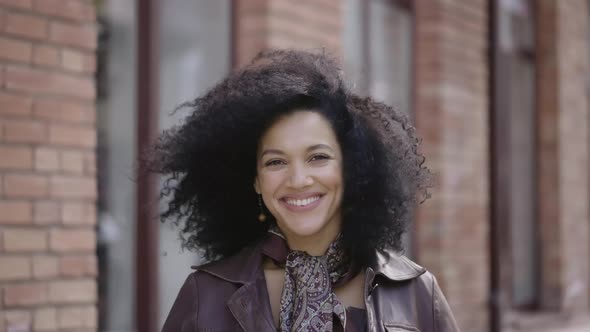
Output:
x=303 y=228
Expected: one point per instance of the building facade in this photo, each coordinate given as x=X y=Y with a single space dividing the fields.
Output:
x=497 y=89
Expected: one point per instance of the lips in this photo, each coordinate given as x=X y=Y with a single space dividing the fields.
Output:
x=301 y=202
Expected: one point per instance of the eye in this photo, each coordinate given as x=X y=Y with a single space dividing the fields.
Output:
x=274 y=162
x=319 y=157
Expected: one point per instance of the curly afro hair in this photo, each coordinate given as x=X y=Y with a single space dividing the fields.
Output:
x=210 y=159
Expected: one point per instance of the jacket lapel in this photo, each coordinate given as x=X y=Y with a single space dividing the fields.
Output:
x=246 y=306
x=369 y=277
x=393 y=267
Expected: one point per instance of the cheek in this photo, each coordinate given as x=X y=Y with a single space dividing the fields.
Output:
x=269 y=182
x=333 y=177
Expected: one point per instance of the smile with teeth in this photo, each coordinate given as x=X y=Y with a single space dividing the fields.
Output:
x=302 y=202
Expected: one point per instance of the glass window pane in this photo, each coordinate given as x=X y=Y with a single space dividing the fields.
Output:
x=195 y=53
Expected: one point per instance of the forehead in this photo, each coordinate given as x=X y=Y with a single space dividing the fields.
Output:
x=299 y=129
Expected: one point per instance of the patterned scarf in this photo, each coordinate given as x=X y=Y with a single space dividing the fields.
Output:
x=308 y=302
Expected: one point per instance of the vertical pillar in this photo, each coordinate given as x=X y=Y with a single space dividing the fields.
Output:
x=47 y=166
x=451 y=97
x=147 y=240
x=563 y=153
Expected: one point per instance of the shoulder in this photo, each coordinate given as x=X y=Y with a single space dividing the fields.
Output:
x=404 y=282
x=202 y=302
x=396 y=271
x=242 y=267
x=396 y=267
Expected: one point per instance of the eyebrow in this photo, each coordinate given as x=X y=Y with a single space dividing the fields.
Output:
x=311 y=148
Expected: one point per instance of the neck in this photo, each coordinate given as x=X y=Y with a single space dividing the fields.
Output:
x=316 y=244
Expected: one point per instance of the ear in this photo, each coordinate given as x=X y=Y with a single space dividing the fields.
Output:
x=257 y=185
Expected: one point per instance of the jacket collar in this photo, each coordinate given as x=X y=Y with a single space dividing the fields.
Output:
x=245 y=266
x=246 y=304
x=396 y=267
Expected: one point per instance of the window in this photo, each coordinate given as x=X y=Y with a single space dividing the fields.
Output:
x=378 y=52
x=514 y=146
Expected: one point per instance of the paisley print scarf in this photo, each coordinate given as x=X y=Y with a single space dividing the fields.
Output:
x=308 y=302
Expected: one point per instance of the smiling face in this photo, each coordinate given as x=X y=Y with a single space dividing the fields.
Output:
x=300 y=177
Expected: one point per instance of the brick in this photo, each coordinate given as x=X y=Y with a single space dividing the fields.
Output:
x=72 y=60
x=74 y=136
x=73 y=187
x=45 y=267
x=15 y=50
x=29 y=80
x=15 y=320
x=26 y=294
x=15 y=104
x=69 y=9
x=24 y=240
x=77 y=35
x=91 y=13
x=25 y=132
x=45 y=319
x=46 y=159
x=90 y=163
x=34 y=80
x=72 y=161
x=46 y=212
x=78 y=112
x=65 y=111
x=16 y=157
x=20 y=4
x=15 y=268
x=79 y=62
x=77 y=317
x=78 y=213
x=49 y=109
x=26 y=185
x=72 y=291
x=15 y=212
x=78 y=266
x=23 y=25
x=72 y=240
x=46 y=55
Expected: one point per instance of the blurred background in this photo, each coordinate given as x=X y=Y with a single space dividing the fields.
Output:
x=498 y=90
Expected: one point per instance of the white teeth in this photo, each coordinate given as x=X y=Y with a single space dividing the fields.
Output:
x=302 y=202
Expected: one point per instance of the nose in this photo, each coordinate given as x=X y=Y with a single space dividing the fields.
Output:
x=299 y=177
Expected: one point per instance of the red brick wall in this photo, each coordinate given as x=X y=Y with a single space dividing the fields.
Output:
x=306 y=24
x=451 y=109
x=563 y=153
x=47 y=165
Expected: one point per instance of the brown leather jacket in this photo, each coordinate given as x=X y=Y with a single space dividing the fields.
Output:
x=231 y=295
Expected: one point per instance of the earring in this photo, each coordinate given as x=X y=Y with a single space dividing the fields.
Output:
x=261 y=216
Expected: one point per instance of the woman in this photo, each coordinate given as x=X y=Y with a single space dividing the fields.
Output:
x=297 y=192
